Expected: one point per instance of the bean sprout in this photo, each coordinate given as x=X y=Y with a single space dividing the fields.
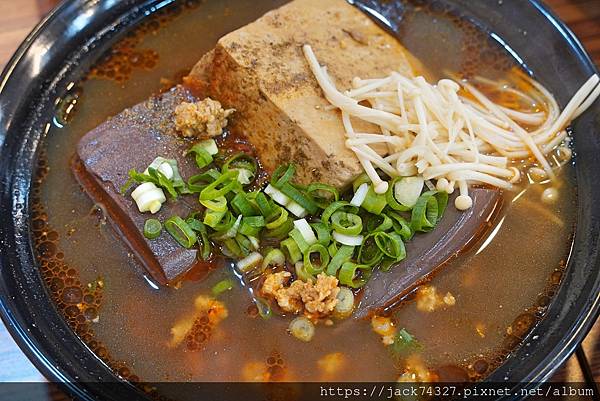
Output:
x=452 y=132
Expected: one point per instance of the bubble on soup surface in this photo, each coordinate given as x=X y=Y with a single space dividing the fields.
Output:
x=91 y=314
x=72 y=311
x=276 y=367
x=522 y=325
x=199 y=333
x=271 y=370
x=47 y=249
x=480 y=366
x=72 y=295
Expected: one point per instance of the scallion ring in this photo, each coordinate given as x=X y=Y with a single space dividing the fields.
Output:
x=198 y=182
x=359 y=195
x=199 y=227
x=401 y=226
x=342 y=255
x=323 y=233
x=218 y=204
x=223 y=226
x=391 y=245
x=391 y=199
x=374 y=202
x=232 y=249
x=332 y=248
x=202 y=157
x=263 y=204
x=335 y=206
x=386 y=264
x=322 y=194
x=346 y=223
x=242 y=205
x=428 y=210
x=212 y=218
x=345 y=303
x=181 y=231
x=352 y=240
x=203 y=152
x=361 y=179
x=245 y=164
x=310 y=262
x=152 y=228
x=379 y=223
x=156 y=177
x=250 y=262
x=369 y=253
x=301 y=272
x=299 y=238
x=245 y=244
x=252 y=225
x=275 y=257
x=354 y=275
x=291 y=250
x=170 y=169
x=221 y=186
x=278 y=217
x=281 y=231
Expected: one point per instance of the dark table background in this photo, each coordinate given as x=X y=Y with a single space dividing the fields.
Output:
x=18 y=17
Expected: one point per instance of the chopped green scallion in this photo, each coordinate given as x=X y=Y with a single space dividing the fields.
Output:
x=181 y=231
x=222 y=286
x=152 y=228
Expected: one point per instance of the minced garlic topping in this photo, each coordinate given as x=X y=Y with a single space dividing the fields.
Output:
x=316 y=298
x=428 y=299
x=202 y=119
x=416 y=371
x=384 y=326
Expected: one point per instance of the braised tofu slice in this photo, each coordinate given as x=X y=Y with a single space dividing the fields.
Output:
x=260 y=71
x=129 y=140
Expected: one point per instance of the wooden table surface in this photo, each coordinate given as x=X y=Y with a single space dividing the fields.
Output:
x=18 y=17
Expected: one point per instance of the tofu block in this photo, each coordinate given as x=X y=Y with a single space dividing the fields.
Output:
x=260 y=71
x=132 y=139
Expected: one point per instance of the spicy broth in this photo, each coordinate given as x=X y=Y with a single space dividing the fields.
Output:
x=129 y=325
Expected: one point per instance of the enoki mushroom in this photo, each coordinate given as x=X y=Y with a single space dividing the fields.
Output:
x=451 y=132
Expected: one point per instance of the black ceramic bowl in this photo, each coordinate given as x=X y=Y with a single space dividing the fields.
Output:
x=76 y=33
